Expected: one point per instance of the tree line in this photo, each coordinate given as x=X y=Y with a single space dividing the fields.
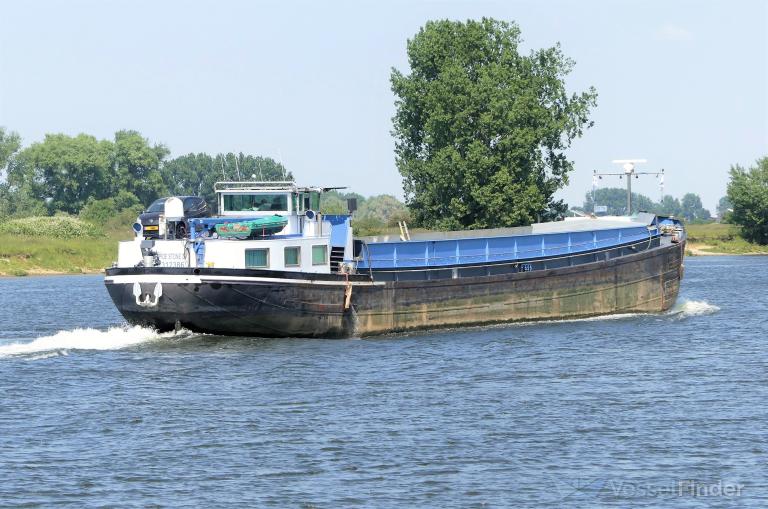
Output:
x=99 y=179
x=748 y=197
x=75 y=174
x=373 y=215
x=614 y=199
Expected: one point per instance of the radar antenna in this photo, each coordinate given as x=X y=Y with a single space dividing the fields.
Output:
x=628 y=165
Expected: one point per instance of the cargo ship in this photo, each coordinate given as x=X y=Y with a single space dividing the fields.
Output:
x=270 y=265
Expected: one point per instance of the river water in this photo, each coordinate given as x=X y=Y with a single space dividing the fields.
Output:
x=632 y=411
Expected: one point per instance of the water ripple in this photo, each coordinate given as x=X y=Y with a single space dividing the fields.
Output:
x=624 y=411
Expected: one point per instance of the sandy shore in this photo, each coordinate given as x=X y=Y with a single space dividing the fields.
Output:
x=697 y=249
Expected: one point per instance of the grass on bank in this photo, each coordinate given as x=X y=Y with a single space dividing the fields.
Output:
x=22 y=255
x=58 y=245
x=720 y=238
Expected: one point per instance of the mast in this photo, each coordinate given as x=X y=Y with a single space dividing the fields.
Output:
x=628 y=165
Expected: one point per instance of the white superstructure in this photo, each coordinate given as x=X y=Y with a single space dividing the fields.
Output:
x=307 y=243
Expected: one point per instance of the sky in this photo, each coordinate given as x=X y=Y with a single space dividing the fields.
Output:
x=682 y=84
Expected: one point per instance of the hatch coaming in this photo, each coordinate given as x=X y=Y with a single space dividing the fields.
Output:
x=498 y=245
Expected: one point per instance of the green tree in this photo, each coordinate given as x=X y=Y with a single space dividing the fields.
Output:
x=66 y=172
x=748 y=192
x=481 y=129
x=102 y=211
x=333 y=204
x=249 y=167
x=195 y=174
x=63 y=171
x=692 y=209
x=670 y=206
x=368 y=226
x=386 y=208
x=192 y=174
x=616 y=200
x=724 y=207
x=137 y=166
x=16 y=202
x=10 y=143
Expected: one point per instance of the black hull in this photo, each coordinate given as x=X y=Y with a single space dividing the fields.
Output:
x=290 y=304
x=247 y=307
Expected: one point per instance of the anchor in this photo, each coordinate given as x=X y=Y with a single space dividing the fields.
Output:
x=147 y=302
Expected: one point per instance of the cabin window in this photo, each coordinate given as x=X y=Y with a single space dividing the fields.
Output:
x=314 y=200
x=292 y=256
x=262 y=202
x=310 y=201
x=319 y=255
x=296 y=200
x=256 y=258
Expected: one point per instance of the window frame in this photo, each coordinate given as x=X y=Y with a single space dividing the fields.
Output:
x=298 y=256
x=245 y=255
x=325 y=248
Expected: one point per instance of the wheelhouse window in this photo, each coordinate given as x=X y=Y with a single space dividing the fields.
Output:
x=262 y=202
x=256 y=258
x=319 y=255
x=292 y=256
x=307 y=201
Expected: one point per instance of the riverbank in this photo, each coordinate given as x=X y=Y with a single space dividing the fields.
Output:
x=22 y=256
x=719 y=239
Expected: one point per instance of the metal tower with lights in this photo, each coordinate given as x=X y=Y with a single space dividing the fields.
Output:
x=628 y=165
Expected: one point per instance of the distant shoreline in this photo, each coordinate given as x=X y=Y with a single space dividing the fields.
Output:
x=44 y=272
x=702 y=249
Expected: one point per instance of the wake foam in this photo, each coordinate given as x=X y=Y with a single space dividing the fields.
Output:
x=113 y=338
x=687 y=308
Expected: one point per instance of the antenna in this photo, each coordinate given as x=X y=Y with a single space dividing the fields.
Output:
x=237 y=166
x=258 y=164
x=282 y=167
x=595 y=179
x=628 y=165
x=661 y=185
